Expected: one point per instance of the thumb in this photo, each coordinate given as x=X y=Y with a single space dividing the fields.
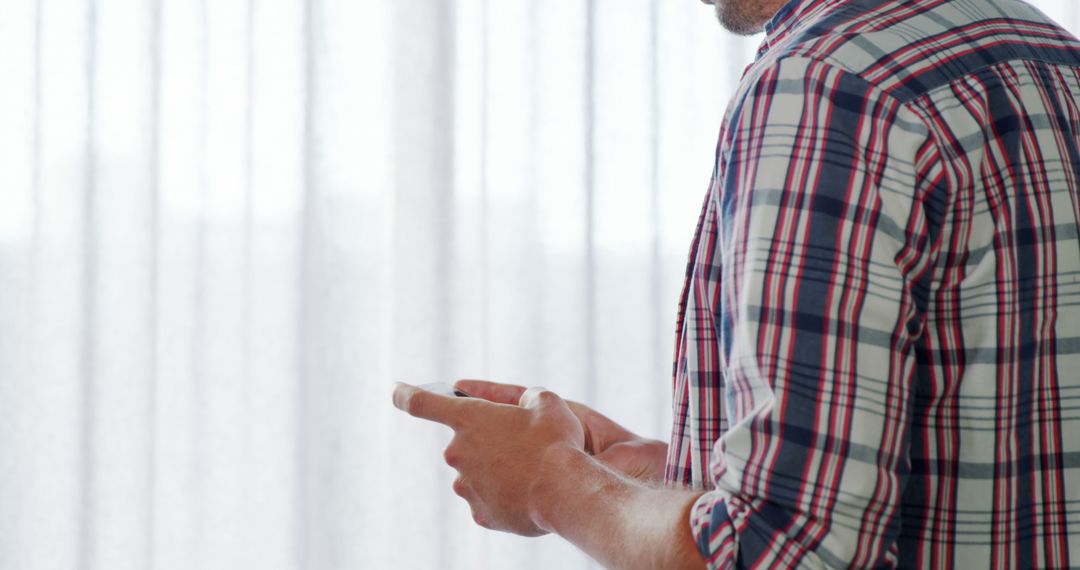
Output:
x=601 y=432
x=538 y=397
x=491 y=391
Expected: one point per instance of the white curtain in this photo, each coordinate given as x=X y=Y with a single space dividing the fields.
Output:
x=226 y=226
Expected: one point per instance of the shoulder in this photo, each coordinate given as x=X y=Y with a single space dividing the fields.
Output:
x=908 y=48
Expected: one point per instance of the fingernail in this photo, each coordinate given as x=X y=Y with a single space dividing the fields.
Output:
x=398 y=396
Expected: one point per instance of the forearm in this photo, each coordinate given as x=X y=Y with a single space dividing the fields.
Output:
x=619 y=522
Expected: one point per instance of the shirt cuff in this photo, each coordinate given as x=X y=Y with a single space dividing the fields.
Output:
x=712 y=530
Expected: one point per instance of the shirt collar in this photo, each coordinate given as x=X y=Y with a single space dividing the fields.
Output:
x=791 y=17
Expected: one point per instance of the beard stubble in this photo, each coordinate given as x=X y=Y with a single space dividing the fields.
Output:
x=745 y=17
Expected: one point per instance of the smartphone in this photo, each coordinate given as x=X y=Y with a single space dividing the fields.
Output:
x=444 y=388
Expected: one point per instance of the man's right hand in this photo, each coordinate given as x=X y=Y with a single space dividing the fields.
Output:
x=607 y=441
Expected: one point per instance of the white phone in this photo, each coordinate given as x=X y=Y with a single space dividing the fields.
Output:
x=444 y=388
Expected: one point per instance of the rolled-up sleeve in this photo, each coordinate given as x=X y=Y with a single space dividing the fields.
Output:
x=825 y=247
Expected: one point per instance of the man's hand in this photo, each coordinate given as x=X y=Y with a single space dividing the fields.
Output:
x=523 y=469
x=503 y=452
x=607 y=441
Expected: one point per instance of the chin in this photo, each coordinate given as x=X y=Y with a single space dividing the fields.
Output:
x=734 y=17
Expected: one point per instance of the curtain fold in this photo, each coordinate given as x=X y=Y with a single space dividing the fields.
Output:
x=228 y=225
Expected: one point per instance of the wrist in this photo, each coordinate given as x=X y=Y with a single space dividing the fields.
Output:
x=565 y=473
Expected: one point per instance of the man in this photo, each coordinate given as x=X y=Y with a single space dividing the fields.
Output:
x=878 y=343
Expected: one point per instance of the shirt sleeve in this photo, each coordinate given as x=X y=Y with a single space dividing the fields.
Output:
x=825 y=242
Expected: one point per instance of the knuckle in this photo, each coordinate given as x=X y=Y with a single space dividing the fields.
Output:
x=451 y=456
x=459 y=487
x=480 y=520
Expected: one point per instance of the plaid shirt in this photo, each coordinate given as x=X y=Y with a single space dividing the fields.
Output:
x=878 y=344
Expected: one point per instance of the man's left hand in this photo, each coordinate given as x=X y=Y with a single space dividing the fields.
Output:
x=504 y=454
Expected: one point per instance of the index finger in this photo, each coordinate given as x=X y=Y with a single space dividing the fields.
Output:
x=427 y=405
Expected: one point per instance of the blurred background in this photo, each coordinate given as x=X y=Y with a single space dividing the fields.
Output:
x=227 y=226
